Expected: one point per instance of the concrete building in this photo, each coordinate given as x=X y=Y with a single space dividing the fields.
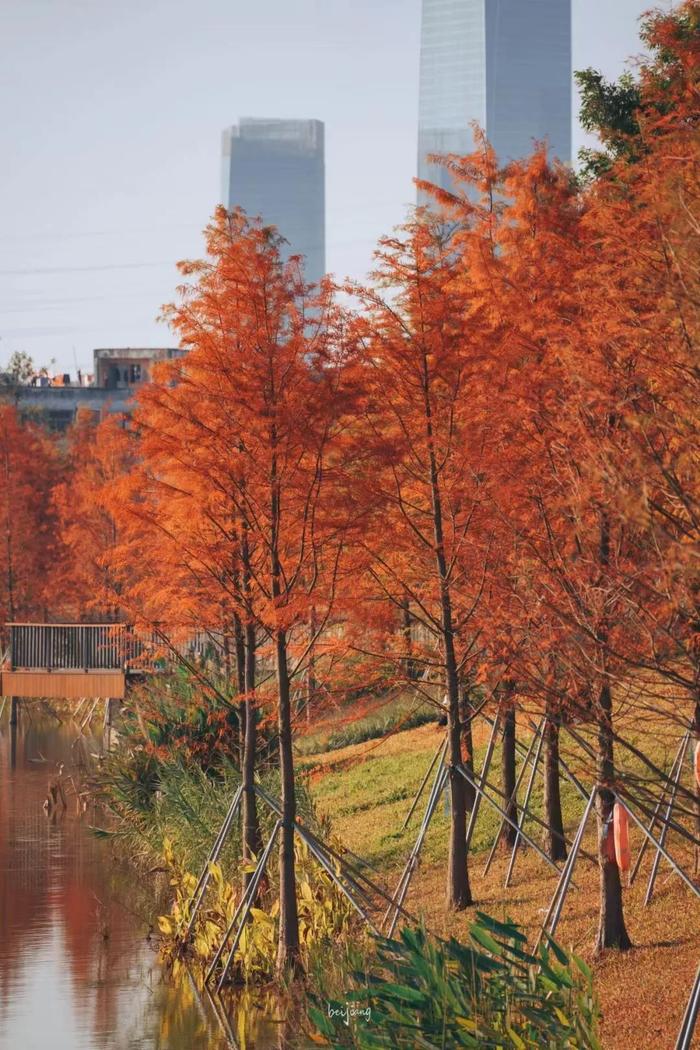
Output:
x=55 y=401
x=121 y=368
x=275 y=169
x=505 y=64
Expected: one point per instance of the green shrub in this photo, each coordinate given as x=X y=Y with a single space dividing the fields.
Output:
x=424 y=992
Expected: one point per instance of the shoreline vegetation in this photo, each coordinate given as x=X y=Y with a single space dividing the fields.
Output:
x=463 y=497
x=368 y=790
x=504 y=993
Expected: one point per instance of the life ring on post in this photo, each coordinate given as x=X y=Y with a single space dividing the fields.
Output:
x=621 y=827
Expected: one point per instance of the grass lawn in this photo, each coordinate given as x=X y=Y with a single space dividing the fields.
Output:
x=367 y=789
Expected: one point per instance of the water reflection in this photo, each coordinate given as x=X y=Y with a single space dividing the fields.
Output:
x=77 y=971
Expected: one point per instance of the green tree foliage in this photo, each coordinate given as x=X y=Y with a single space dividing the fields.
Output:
x=622 y=113
x=20 y=368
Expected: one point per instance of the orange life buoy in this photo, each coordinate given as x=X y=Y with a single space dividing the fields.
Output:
x=622 y=837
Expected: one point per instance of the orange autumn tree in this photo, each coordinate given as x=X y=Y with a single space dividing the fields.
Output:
x=178 y=521
x=99 y=454
x=645 y=213
x=423 y=375
x=239 y=440
x=29 y=548
x=523 y=261
x=587 y=288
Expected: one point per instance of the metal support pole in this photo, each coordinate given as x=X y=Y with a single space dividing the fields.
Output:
x=203 y=881
x=328 y=868
x=486 y=765
x=660 y=848
x=440 y=752
x=664 y=830
x=526 y=803
x=499 y=809
x=685 y=1036
x=523 y=770
x=571 y=777
x=675 y=774
x=421 y=832
x=402 y=888
x=675 y=771
x=557 y=902
x=353 y=874
x=243 y=910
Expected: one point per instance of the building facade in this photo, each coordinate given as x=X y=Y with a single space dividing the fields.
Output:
x=54 y=402
x=275 y=169
x=121 y=368
x=504 y=64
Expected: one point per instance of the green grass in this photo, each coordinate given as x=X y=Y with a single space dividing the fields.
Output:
x=403 y=712
x=367 y=802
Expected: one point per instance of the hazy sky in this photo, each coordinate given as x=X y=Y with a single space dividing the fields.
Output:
x=112 y=112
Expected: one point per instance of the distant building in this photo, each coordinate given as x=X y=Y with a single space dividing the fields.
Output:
x=54 y=401
x=121 y=368
x=505 y=64
x=275 y=169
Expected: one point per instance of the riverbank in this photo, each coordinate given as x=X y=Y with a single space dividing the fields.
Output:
x=364 y=792
x=167 y=811
x=369 y=787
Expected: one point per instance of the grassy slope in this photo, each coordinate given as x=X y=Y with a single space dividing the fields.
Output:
x=367 y=789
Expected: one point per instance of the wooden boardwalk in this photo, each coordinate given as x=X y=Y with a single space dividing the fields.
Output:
x=72 y=661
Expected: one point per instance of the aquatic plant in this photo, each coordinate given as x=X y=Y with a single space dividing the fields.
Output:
x=421 y=991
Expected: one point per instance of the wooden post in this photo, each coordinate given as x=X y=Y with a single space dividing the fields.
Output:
x=108 y=721
x=14 y=723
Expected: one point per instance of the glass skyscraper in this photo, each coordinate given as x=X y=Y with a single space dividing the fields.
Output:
x=505 y=64
x=275 y=169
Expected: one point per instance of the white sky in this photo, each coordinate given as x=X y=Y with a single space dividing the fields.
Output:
x=112 y=112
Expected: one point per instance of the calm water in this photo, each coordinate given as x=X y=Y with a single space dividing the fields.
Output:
x=77 y=971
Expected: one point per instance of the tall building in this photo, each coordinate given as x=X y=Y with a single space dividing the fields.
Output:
x=276 y=169
x=505 y=64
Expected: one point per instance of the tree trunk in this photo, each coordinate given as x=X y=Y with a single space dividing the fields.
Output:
x=508 y=776
x=288 y=944
x=239 y=641
x=311 y=680
x=611 y=931
x=465 y=719
x=252 y=839
x=459 y=894
x=288 y=957
x=696 y=740
x=409 y=666
x=554 y=840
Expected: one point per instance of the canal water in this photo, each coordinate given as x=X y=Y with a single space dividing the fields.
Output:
x=78 y=969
